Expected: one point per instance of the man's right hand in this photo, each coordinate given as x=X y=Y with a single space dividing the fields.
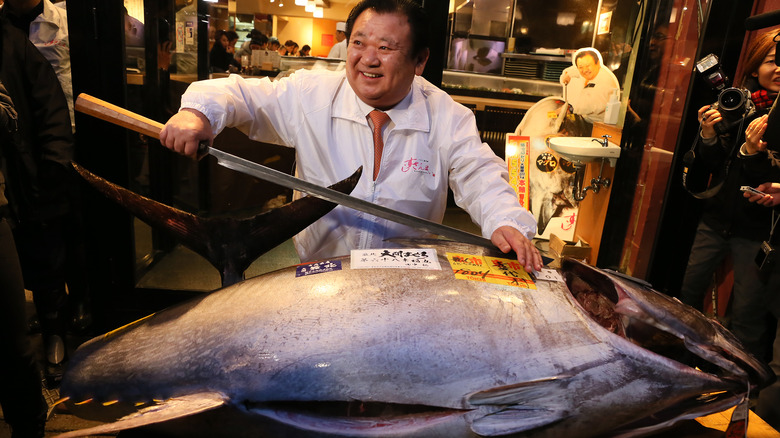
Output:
x=185 y=131
x=565 y=78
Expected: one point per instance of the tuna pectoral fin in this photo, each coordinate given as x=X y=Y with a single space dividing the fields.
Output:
x=522 y=407
x=514 y=420
x=169 y=409
x=532 y=393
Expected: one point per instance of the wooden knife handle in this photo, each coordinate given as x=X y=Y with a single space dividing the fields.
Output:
x=119 y=116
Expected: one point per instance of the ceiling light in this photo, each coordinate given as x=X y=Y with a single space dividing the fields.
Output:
x=310 y=6
x=318 y=12
x=300 y=2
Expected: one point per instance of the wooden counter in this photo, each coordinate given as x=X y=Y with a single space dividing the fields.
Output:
x=481 y=102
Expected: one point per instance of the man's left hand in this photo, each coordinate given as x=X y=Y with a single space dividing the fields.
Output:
x=508 y=238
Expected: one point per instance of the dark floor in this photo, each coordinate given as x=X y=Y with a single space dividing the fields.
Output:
x=58 y=422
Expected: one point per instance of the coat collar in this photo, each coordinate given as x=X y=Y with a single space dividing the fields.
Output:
x=409 y=113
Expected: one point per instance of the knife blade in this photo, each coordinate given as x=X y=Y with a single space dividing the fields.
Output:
x=114 y=114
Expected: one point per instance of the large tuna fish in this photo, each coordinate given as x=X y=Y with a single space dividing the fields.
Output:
x=412 y=353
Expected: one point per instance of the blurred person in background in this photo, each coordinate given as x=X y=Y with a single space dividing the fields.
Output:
x=289 y=48
x=339 y=50
x=273 y=44
x=220 y=58
x=232 y=37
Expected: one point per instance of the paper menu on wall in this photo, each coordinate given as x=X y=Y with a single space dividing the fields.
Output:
x=517 y=152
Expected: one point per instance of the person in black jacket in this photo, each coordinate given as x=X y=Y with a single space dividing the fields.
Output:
x=219 y=57
x=40 y=183
x=34 y=122
x=730 y=224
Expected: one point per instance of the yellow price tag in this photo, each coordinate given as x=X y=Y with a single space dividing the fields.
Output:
x=494 y=270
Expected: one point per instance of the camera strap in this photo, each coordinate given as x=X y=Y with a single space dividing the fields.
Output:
x=690 y=158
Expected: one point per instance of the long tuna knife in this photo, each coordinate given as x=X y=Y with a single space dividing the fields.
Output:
x=111 y=113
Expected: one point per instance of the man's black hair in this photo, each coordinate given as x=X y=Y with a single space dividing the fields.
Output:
x=416 y=15
x=259 y=38
x=591 y=53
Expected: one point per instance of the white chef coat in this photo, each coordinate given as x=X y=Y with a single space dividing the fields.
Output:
x=590 y=101
x=339 y=50
x=49 y=33
x=430 y=143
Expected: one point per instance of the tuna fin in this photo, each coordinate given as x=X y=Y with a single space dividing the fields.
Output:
x=516 y=419
x=213 y=237
x=521 y=393
x=170 y=409
x=528 y=405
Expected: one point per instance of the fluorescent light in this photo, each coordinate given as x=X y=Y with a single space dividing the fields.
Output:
x=318 y=12
x=300 y=2
x=310 y=5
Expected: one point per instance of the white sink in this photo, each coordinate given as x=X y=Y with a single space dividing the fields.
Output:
x=584 y=149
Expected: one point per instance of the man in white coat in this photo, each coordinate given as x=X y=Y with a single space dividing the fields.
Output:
x=339 y=50
x=430 y=142
x=589 y=84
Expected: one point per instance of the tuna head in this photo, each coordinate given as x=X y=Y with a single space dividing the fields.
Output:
x=663 y=325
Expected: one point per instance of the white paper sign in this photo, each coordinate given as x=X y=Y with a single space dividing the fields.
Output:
x=395 y=258
x=549 y=275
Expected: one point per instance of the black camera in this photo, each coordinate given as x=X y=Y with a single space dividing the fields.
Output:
x=765 y=258
x=733 y=103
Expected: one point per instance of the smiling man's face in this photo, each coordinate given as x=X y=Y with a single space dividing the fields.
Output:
x=380 y=64
x=588 y=67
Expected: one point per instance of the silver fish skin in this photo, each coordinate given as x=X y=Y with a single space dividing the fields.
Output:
x=433 y=355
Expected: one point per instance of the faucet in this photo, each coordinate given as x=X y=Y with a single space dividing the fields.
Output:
x=605 y=140
x=596 y=184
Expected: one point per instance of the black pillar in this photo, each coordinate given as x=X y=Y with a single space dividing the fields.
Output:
x=437 y=13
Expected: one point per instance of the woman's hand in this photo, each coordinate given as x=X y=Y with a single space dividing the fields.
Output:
x=753 y=134
x=709 y=117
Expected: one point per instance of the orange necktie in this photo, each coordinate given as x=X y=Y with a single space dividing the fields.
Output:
x=379 y=118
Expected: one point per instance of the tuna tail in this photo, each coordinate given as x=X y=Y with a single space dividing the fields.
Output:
x=167 y=410
x=213 y=238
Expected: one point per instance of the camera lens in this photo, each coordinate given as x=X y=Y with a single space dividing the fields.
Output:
x=731 y=99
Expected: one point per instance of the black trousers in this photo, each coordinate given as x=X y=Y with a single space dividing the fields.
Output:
x=42 y=251
x=20 y=381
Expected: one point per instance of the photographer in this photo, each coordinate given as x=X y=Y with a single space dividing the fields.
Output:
x=730 y=225
x=768 y=407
